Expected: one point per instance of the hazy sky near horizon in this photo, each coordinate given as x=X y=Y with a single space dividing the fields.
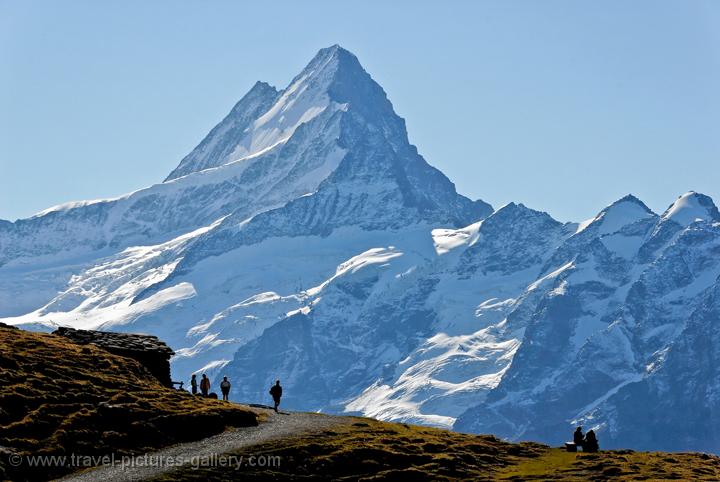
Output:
x=564 y=106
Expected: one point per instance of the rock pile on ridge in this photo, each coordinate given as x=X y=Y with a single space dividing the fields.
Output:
x=149 y=350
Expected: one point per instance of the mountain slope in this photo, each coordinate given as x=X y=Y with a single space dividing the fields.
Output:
x=219 y=146
x=685 y=383
x=606 y=330
x=373 y=189
x=306 y=239
x=380 y=183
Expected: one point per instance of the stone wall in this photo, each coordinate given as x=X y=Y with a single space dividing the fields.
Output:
x=150 y=351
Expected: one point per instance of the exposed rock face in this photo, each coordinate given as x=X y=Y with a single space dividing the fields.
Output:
x=219 y=145
x=622 y=336
x=150 y=351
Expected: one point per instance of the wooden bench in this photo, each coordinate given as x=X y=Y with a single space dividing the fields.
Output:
x=571 y=446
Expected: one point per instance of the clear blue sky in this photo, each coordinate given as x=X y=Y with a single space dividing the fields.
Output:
x=562 y=105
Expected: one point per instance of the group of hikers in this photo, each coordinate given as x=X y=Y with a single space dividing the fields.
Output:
x=275 y=390
x=589 y=442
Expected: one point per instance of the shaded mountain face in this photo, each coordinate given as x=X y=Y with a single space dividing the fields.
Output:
x=306 y=239
x=682 y=392
x=608 y=343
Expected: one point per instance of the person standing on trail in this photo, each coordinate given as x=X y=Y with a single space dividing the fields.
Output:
x=193 y=384
x=225 y=388
x=205 y=385
x=276 y=392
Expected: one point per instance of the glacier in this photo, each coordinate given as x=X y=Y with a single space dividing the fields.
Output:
x=306 y=239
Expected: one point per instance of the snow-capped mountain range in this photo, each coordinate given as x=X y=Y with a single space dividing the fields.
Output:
x=306 y=239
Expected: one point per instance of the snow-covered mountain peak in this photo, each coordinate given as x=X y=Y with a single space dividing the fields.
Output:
x=511 y=212
x=217 y=147
x=307 y=96
x=327 y=61
x=690 y=207
x=623 y=212
x=259 y=90
x=332 y=65
x=265 y=118
x=511 y=207
x=332 y=126
x=629 y=198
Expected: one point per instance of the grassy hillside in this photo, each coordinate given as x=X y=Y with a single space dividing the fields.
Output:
x=371 y=450
x=367 y=449
x=61 y=398
x=557 y=464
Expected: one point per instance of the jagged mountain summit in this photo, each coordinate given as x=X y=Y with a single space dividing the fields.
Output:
x=332 y=120
x=218 y=147
x=306 y=239
x=626 y=297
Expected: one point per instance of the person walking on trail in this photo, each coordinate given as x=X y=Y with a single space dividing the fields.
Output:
x=205 y=385
x=225 y=388
x=276 y=392
x=193 y=384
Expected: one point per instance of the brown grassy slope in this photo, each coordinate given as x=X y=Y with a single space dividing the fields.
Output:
x=556 y=464
x=364 y=449
x=368 y=449
x=57 y=397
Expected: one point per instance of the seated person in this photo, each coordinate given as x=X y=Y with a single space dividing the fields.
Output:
x=578 y=437
x=590 y=444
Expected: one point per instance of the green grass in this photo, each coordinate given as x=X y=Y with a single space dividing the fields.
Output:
x=615 y=464
x=553 y=461
x=61 y=398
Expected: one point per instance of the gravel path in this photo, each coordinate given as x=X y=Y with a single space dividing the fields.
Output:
x=277 y=426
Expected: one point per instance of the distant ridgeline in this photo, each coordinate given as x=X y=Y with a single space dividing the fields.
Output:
x=148 y=350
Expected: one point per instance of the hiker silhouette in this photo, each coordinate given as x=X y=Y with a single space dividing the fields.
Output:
x=225 y=388
x=205 y=385
x=193 y=384
x=276 y=392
